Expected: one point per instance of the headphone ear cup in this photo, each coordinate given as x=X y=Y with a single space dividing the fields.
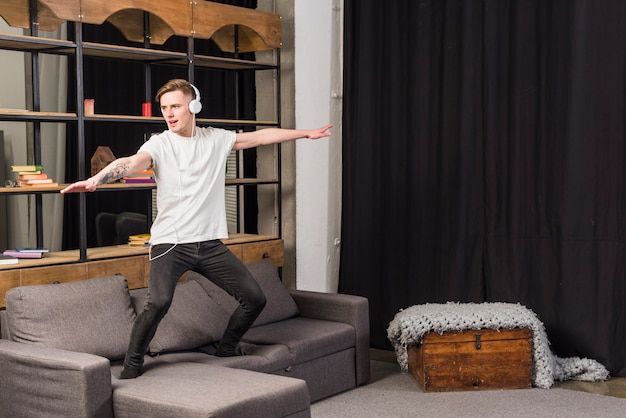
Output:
x=195 y=106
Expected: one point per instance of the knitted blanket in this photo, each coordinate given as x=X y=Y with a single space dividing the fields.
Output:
x=411 y=324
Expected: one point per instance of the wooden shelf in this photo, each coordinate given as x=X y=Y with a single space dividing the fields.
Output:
x=116 y=251
x=148 y=55
x=247 y=238
x=30 y=116
x=103 y=187
x=123 y=186
x=34 y=43
x=250 y=182
x=158 y=119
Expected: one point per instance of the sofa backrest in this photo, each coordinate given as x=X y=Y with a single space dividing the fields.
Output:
x=280 y=305
x=4 y=328
x=91 y=316
x=194 y=319
x=95 y=316
x=198 y=318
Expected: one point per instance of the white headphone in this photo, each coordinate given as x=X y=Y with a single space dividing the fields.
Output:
x=195 y=106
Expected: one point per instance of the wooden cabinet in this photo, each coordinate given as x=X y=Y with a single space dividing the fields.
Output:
x=8 y=279
x=53 y=274
x=130 y=262
x=132 y=268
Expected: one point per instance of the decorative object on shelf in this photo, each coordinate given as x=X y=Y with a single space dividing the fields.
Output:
x=146 y=109
x=101 y=158
x=89 y=106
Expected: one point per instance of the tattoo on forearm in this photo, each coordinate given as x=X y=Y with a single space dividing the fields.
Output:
x=115 y=173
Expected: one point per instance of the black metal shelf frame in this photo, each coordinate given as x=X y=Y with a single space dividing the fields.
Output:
x=80 y=49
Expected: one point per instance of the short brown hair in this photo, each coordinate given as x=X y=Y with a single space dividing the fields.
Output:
x=173 y=85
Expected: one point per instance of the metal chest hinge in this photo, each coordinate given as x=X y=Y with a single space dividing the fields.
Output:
x=478 y=343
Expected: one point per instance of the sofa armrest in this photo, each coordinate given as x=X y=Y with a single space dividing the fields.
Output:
x=46 y=382
x=349 y=309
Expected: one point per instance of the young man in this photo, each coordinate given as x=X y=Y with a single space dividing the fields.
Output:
x=189 y=168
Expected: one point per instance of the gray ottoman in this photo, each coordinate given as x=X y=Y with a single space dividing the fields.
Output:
x=199 y=390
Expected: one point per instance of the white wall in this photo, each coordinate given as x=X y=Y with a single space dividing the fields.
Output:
x=317 y=28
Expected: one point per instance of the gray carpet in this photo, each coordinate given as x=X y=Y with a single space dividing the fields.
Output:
x=393 y=394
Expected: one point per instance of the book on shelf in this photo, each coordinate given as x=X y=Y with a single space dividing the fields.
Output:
x=139 y=240
x=142 y=173
x=7 y=259
x=19 y=254
x=35 y=181
x=32 y=250
x=22 y=175
x=33 y=185
x=132 y=180
x=39 y=186
x=27 y=168
x=144 y=176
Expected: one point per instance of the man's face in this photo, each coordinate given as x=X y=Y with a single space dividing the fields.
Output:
x=175 y=110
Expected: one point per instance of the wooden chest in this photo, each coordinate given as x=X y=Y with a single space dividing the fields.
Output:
x=472 y=360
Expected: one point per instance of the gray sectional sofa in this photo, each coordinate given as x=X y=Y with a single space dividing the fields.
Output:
x=62 y=347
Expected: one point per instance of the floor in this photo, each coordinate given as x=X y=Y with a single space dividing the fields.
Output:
x=615 y=386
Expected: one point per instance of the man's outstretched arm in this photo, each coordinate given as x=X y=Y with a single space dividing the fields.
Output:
x=114 y=171
x=275 y=135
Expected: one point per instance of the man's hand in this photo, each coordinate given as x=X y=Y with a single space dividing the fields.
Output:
x=320 y=132
x=88 y=185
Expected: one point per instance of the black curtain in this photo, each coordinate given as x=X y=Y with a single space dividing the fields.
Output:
x=484 y=160
x=119 y=88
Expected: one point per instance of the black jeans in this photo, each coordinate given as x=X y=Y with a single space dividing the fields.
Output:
x=213 y=260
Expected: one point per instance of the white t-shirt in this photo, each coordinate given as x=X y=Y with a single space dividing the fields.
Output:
x=190 y=175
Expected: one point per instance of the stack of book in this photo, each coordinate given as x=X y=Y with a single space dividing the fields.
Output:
x=139 y=240
x=32 y=176
x=25 y=252
x=146 y=176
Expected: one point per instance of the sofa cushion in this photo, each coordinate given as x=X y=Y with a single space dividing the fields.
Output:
x=91 y=316
x=280 y=305
x=193 y=320
x=200 y=390
x=266 y=358
x=306 y=338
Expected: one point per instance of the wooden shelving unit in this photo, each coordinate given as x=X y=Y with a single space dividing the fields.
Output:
x=149 y=24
